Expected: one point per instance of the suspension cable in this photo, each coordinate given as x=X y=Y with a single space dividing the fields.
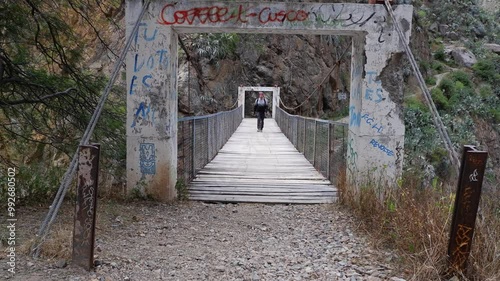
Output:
x=452 y=154
x=321 y=83
x=69 y=175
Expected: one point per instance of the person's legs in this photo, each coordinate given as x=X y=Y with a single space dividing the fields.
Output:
x=260 y=120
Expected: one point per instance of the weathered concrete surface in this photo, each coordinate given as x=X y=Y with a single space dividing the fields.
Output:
x=376 y=130
x=151 y=106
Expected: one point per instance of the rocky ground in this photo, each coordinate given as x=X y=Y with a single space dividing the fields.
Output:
x=199 y=241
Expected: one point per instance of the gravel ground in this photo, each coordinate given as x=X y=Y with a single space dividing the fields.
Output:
x=199 y=241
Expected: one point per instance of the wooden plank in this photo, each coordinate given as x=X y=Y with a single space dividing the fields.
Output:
x=263 y=189
x=268 y=194
x=261 y=167
x=262 y=199
x=261 y=185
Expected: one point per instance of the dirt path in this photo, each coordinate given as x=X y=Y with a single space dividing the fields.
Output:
x=198 y=241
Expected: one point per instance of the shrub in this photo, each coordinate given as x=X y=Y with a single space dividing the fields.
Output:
x=447 y=87
x=431 y=81
x=424 y=66
x=462 y=77
x=414 y=103
x=415 y=222
x=440 y=54
x=495 y=115
x=437 y=66
x=439 y=99
x=486 y=91
x=486 y=70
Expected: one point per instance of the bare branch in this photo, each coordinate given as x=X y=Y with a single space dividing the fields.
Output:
x=39 y=100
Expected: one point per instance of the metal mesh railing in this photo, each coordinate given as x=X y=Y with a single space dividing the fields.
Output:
x=200 y=138
x=322 y=142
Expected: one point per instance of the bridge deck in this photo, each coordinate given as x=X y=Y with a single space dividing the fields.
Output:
x=261 y=167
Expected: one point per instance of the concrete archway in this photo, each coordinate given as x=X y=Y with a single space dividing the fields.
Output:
x=275 y=99
x=376 y=128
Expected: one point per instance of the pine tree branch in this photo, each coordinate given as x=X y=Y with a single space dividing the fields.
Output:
x=39 y=100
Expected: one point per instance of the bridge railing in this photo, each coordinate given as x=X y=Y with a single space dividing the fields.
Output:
x=323 y=142
x=200 y=138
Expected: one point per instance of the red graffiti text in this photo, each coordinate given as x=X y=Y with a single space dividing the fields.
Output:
x=218 y=14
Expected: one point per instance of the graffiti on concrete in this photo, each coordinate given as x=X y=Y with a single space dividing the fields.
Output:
x=144 y=116
x=317 y=15
x=147 y=158
x=382 y=147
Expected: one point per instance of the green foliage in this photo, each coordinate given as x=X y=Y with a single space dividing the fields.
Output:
x=466 y=17
x=439 y=99
x=462 y=77
x=437 y=66
x=413 y=102
x=182 y=190
x=216 y=46
x=425 y=66
x=447 y=87
x=47 y=97
x=437 y=155
x=420 y=133
x=485 y=91
x=431 y=81
x=495 y=115
x=35 y=183
x=487 y=70
x=440 y=54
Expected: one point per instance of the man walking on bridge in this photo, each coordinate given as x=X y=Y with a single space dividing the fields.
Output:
x=260 y=108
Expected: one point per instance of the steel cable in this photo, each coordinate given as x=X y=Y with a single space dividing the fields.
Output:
x=435 y=114
x=69 y=174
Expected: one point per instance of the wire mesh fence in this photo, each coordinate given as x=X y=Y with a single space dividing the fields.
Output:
x=322 y=142
x=200 y=138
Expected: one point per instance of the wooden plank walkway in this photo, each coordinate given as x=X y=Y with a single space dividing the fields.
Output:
x=261 y=167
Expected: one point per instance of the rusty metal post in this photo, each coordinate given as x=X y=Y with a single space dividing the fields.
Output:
x=466 y=206
x=86 y=203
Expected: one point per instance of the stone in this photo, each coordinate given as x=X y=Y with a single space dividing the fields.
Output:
x=220 y=268
x=453 y=35
x=397 y=279
x=463 y=57
x=61 y=264
x=443 y=29
x=479 y=30
x=433 y=28
x=495 y=48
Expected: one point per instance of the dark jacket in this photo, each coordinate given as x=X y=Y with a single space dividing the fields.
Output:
x=260 y=107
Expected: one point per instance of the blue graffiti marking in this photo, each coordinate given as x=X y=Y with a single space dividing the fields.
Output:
x=143 y=115
x=151 y=60
x=379 y=96
x=370 y=121
x=147 y=158
x=382 y=147
x=356 y=92
x=132 y=85
x=355 y=117
x=145 y=79
x=146 y=37
x=163 y=57
x=371 y=75
x=368 y=94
